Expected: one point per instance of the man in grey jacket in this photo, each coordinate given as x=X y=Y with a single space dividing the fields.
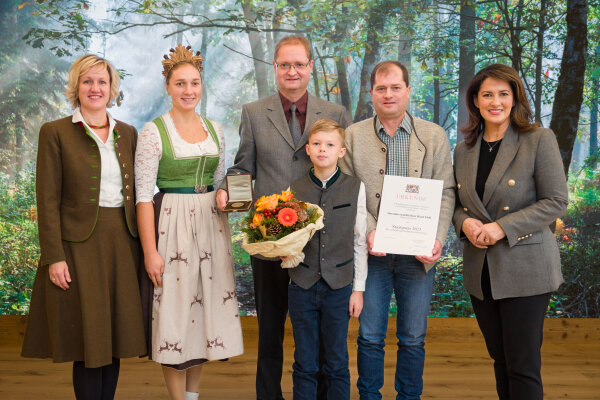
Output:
x=396 y=143
x=273 y=136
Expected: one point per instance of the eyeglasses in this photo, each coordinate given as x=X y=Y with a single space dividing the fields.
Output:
x=288 y=66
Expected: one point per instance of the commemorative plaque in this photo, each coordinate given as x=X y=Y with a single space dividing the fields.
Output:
x=239 y=189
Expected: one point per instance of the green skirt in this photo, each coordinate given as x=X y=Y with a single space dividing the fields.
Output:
x=99 y=317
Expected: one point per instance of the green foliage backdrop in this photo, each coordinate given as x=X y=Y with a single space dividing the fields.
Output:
x=555 y=46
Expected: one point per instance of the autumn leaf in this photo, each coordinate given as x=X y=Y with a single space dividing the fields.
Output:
x=20 y=6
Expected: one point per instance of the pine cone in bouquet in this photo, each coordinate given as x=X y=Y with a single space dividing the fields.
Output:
x=274 y=229
x=280 y=225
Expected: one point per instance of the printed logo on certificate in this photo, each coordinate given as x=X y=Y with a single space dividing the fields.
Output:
x=408 y=215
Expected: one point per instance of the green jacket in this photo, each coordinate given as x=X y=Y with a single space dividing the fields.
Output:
x=68 y=184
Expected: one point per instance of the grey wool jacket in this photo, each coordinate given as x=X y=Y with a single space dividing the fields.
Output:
x=525 y=192
x=330 y=252
x=429 y=158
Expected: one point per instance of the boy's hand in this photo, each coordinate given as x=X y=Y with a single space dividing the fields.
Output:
x=356 y=303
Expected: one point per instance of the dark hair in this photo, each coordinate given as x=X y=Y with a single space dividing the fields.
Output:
x=520 y=116
x=296 y=39
x=385 y=66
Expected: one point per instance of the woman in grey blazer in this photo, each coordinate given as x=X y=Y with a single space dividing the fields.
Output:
x=511 y=188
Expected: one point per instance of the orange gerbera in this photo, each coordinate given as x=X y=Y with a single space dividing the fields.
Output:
x=267 y=202
x=287 y=216
x=257 y=219
x=286 y=195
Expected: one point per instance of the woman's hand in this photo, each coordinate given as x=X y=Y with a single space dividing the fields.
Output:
x=59 y=274
x=491 y=233
x=222 y=198
x=356 y=303
x=472 y=229
x=155 y=266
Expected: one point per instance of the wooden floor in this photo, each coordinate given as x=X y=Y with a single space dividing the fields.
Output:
x=457 y=365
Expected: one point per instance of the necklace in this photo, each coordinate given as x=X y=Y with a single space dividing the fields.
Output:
x=99 y=126
x=491 y=148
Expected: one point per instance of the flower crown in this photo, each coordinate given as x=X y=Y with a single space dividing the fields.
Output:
x=180 y=55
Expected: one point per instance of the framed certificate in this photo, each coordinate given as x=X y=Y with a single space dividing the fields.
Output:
x=239 y=190
x=408 y=215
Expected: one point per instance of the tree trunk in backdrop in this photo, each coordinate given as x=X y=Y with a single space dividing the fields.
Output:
x=341 y=30
x=594 y=107
x=466 y=63
x=539 y=60
x=405 y=33
x=569 y=92
x=258 y=52
x=203 y=48
x=375 y=24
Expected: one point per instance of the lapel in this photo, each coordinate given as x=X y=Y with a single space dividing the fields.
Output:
x=416 y=151
x=506 y=154
x=277 y=118
x=471 y=160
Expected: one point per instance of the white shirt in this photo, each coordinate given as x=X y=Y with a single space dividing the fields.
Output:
x=149 y=152
x=111 y=182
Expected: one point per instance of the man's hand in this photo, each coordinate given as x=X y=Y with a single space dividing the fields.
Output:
x=435 y=254
x=472 y=229
x=370 y=242
x=59 y=274
x=356 y=303
x=222 y=199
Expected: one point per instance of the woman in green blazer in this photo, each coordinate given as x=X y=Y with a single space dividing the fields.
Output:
x=511 y=188
x=85 y=305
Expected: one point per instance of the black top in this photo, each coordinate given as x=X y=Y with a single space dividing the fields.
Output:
x=487 y=156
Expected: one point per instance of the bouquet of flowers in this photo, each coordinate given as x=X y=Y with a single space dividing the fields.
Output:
x=280 y=226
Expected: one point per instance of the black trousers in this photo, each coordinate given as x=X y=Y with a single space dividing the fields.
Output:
x=513 y=331
x=270 y=294
x=95 y=383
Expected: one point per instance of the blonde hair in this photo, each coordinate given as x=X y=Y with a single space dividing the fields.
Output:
x=327 y=125
x=289 y=40
x=80 y=67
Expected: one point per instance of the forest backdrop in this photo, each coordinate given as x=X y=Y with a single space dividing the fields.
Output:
x=554 y=45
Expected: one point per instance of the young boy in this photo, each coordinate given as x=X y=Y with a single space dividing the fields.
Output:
x=326 y=289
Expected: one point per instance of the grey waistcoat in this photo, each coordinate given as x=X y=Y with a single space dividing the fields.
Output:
x=330 y=252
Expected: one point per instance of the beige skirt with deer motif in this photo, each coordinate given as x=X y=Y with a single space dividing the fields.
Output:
x=195 y=313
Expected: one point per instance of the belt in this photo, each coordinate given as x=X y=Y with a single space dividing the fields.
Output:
x=188 y=190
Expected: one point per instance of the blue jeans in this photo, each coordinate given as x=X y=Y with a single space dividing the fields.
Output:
x=413 y=287
x=323 y=310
